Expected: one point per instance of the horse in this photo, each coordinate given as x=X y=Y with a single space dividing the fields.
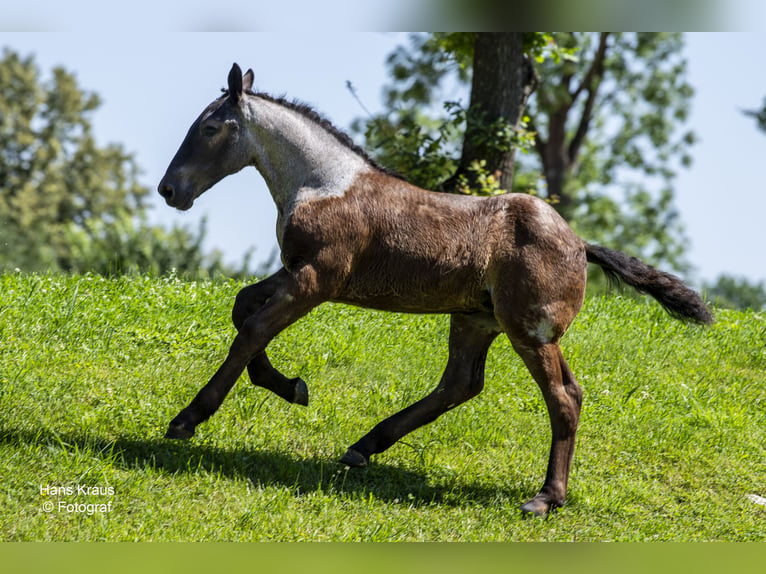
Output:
x=351 y=232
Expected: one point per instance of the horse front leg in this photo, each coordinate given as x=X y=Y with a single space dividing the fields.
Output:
x=262 y=374
x=469 y=340
x=293 y=297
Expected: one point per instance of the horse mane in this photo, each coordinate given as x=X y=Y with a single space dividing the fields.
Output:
x=310 y=113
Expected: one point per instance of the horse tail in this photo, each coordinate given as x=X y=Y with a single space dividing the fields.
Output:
x=669 y=291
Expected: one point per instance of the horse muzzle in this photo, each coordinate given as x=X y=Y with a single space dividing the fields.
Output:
x=174 y=195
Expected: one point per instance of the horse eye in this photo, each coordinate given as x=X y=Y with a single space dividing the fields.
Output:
x=209 y=130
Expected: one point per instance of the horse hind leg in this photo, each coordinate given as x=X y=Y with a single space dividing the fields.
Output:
x=262 y=373
x=563 y=398
x=469 y=340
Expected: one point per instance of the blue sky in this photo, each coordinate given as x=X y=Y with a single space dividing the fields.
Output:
x=153 y=84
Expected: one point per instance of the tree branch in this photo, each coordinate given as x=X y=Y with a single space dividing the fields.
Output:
x=539 y=142
x=596 y=67
x=590 y=83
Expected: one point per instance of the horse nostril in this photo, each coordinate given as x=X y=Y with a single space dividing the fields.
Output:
x=166 y=190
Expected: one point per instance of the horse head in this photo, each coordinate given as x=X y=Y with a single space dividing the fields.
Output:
x=215 y=146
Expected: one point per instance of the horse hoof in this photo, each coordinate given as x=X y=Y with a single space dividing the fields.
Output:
x=179 y=432
x=538 y=506
x=301 y=392
x=354 y=459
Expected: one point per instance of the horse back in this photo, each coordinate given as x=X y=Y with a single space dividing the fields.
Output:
x=393 y=246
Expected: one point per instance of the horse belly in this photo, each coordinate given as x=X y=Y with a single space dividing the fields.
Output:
x=417 y=288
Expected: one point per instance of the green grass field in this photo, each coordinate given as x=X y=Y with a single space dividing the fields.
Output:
x=671 y=446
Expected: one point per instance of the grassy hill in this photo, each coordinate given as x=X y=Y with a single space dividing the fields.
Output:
x=672 y=440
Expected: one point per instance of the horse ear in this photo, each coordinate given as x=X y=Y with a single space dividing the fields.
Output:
x=235 y=83
x=247 y=80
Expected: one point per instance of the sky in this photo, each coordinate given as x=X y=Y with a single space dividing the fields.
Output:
x=154 y=84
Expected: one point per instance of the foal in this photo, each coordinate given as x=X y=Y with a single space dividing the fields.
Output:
x=350 y=232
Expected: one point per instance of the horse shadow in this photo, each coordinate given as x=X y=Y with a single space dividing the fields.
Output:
x=265 y=468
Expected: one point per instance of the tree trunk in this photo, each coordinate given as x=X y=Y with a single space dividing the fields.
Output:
x=559 y=153
x=555 y=160
x=503 y=80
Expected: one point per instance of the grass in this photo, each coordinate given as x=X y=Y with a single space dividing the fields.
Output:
x=670 y=447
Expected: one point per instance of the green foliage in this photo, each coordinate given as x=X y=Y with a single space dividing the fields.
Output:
x=481 y=181
x=408 y=139
x=542 y=46
x=131 y=245
x=620 y=185
x=736 y=293
x=670 y=447
x=612 y=113
x=759 y=115
x=416 y=146
x=67 y=203
x=52 y=173
x=426 y=150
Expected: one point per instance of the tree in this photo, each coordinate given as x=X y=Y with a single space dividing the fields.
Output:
x=67 y=203
x=53 y=176
x=759 y=115
x=129 y=244
x=599 y=133
x=739 y=293
x=502 y=81
x=736 y=293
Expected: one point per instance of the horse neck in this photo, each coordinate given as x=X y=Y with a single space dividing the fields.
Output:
x=298 y=158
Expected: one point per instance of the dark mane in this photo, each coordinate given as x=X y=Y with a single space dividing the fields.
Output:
x=310 y=113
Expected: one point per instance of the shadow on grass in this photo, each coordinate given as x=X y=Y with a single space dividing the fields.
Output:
x=268 y=468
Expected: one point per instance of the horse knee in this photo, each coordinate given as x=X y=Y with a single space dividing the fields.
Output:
x=473 y=388
x=456 y=390
x=238 y=315
x=251 y=339
x=245 y=304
